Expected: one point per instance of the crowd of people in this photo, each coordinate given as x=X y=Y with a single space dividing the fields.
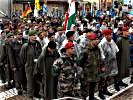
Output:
x=41 y=59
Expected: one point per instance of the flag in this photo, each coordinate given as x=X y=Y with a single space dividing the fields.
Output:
x=27 y=11
x=24 y=14
x=35 y=12
x=37 y=5
x=66 y=20
x=72 y=15
x=45 y=9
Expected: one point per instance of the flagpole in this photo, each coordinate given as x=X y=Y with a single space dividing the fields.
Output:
x=45 y=7
x=28 y=5
x=84 y=8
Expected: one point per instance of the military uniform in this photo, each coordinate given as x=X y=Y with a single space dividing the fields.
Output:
x=108 y=50
x=68 y=77
x=91 y=63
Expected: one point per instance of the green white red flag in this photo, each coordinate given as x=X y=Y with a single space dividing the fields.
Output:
x=70 y=16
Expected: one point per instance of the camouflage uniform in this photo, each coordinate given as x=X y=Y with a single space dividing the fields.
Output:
x=90 y=61
x=67 y=78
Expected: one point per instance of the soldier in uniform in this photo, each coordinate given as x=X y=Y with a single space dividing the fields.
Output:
x=43 y=69
x=108 y=50
x=67 y=73
x=29 y=55
x=19 y=72
x=90 y=61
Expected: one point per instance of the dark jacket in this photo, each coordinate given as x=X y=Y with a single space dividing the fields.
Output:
x=6 y=60
x=16 y=48
x=123 y=56
x=43 y=67
x=91 y=63
x=29 y=53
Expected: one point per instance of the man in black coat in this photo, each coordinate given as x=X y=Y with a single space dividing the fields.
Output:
x=44 y=68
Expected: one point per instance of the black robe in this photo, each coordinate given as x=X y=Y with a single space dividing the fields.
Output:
x=43 y=67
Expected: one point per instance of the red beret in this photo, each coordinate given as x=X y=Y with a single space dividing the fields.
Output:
x=92 y=36
x=107 y=32
x=69 y=45
x=125 y=29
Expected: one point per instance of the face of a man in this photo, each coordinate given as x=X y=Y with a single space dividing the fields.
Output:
x=3 y=35
x=10 y=39
x=45 y=33
x=71 y=38
x=32 y=38
x=108 y=37
x=60 y=32
x=125 y=33
x=52 y=38
x=71 y=51
x=74 y=28
x=19 y=36
x=50 y=30
x=6 y=30
x=41 y=36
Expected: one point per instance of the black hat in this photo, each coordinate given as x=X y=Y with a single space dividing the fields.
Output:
x=52 y=45
x=50 y=34
x=69 y=34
